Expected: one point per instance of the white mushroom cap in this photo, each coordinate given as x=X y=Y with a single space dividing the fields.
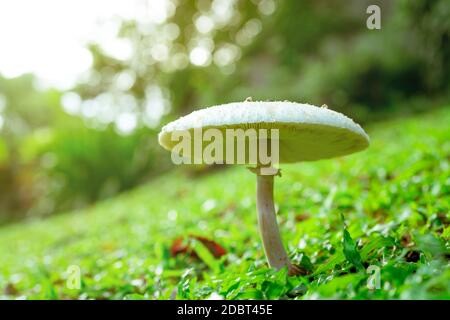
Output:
x=306 y=132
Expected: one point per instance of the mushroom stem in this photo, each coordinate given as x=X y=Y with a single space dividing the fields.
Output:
x=268 y=226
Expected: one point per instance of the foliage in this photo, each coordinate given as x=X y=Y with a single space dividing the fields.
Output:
x=51 y=161
x=314 y=51
x=394 y=199
x=83 y=165
x=23 y=109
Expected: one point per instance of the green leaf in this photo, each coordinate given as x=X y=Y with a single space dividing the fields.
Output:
x=250 y=294
x=430 y=244
x=203 y=253
x=186 y=282
x=376 y=243
x=338 y=285
x=335 y=259
x=351 y=253
x=298 y=290
x=305 y=263
x=274 y=290
x=281 y=276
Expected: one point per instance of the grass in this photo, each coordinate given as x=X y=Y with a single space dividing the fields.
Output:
x=385 y=209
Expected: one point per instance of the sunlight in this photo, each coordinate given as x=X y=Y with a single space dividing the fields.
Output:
x=48 y=37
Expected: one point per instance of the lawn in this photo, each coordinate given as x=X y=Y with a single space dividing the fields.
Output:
x=384 y=211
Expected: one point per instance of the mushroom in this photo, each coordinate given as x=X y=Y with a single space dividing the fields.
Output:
x=304 y=133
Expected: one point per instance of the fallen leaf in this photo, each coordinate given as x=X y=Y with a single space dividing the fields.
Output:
x=11 y=290
x=181 y=246
x=302 y=217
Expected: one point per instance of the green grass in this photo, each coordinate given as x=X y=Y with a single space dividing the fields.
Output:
x=386 y=207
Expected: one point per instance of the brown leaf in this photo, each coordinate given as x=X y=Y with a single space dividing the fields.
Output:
x=11 y=290
x=406 y=241
x=181 y=246
x=302 y=217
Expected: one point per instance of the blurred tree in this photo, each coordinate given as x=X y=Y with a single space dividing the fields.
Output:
x=175 y=64
x=23 y=109
x=51 y=161
x=209 y=52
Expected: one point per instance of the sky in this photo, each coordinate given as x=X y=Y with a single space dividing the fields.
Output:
x=48 y=37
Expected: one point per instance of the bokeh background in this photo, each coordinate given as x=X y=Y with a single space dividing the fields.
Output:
x=85 y=86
